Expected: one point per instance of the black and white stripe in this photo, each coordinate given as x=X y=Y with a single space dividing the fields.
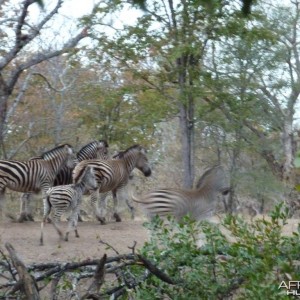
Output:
x=95 y=149
x=199 y=203
x=113 y=175
x=34 y=175
x=64 y=198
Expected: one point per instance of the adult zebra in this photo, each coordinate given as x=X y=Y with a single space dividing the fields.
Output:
x=34 y=175
x=199 y=203
x=92 y=150
x=113 y=175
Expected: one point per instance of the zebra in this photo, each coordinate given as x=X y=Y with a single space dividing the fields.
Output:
x=64 y=198
x=199 y=203
x=94 y=149
x=34 y=175
x=113 y=175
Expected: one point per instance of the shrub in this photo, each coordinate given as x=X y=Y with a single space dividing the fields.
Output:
x=251 y=267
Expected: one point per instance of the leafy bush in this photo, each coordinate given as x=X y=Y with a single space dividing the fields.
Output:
x=250 y=267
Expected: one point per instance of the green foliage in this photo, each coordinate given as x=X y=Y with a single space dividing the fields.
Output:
x=252 y=266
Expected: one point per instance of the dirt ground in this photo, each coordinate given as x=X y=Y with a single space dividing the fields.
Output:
x=24 y=237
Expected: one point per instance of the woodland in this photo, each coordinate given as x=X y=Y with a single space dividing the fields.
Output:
x=196 y=82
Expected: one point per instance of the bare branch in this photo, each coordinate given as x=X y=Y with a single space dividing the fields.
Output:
x=27 y=280
x=40 y=57
x=155 y=271
x=22 y=40
x=98 y=279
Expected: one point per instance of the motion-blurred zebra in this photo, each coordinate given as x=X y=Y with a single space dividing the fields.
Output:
x=93 y=150
x=199 y=203
x=63 y=198
x=34 y=175
x=113 y=175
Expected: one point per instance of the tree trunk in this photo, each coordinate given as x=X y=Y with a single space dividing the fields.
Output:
x=288 y=145
x=4 y=95
x=187 y=133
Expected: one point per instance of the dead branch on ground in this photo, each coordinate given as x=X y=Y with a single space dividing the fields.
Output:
x=87 y=279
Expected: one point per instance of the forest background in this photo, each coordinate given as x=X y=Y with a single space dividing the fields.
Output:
x=197 y=82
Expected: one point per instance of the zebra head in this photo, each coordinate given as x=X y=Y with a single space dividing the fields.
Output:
x=62 y=154
x=102 y=149
x=71 y=160
x=136 y=157
x=214 y=181
x=142 y=162
x=88 y=178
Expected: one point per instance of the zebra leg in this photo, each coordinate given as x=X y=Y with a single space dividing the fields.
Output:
x=25 y=209
x=103 y=208
x=2 y=202
x=57 y=228
x=72 y=225
x=122 y=195
x=116 y=205
x=130 y=207
x=47 y=210
x=94 y=202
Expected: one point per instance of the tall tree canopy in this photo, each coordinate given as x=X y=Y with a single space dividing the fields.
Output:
x=20 y=48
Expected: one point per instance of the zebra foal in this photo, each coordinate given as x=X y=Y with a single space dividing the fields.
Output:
x=34 y=175
x=94 y=149
x=63 y=198
x=113 y=175
x=199 y=203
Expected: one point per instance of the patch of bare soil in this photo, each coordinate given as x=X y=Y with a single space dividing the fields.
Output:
x=24 y=237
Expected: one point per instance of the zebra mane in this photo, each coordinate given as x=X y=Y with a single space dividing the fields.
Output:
x=94 y=143
x=118 y=155
x=49 y=153
x=121 y=154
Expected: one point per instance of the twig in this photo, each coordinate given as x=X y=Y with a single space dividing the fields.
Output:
x=133 y=247
x=155 y=271
x=110 y=247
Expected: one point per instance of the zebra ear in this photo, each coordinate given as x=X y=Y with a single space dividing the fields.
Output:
x=143 y=150
x=89 y=169
x=102 y=146
x=69 y=149
x=103 y=143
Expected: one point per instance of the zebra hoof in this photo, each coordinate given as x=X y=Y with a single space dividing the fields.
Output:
x=102 y=220
x=117 y=217
x=25 y=217
x=22 y=218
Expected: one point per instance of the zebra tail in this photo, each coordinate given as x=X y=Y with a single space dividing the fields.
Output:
x=135 y=199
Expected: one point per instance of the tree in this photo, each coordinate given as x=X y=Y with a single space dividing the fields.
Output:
x=17 y=52
x=257 y=78
x=165 y=49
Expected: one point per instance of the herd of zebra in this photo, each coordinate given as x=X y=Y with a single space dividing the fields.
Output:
x=64 y=177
